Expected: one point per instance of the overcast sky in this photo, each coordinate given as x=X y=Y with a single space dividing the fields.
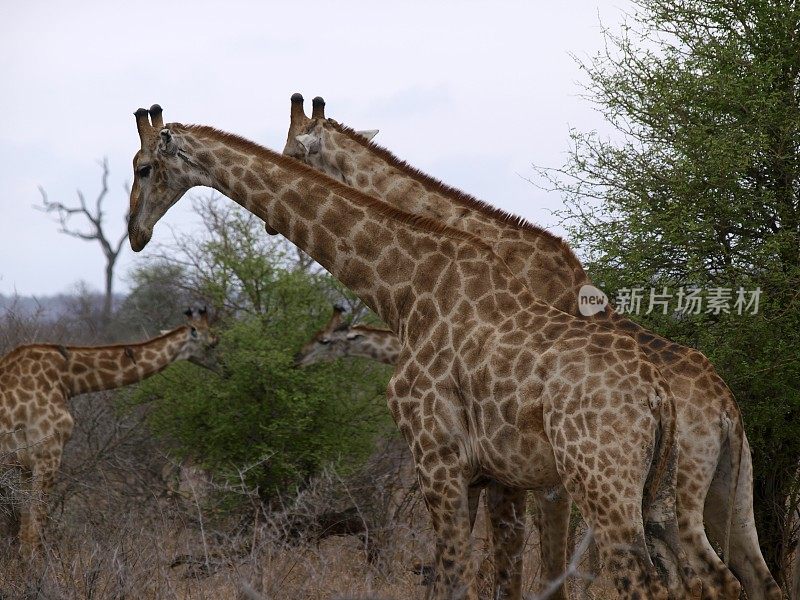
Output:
x=471 y=92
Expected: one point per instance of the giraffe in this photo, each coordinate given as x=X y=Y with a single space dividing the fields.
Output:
x=337 y=340
x=37 y=380
x=490 y=383
x=715 y=466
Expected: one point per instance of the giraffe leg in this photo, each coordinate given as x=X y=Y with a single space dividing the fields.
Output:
x=448 y=505
x=664 y=539
x=624 y=553
x=29 y=534
x=38 y=482
x=506 y=507
x=552 y=520
x=617 y=524
x=745 y=559
x=610 y=499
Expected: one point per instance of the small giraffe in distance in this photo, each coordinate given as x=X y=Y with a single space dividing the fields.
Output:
x=339 y=340
x=36 y=383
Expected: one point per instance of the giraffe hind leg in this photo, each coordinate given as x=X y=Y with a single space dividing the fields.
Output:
x=663 y=537
x=745 y=560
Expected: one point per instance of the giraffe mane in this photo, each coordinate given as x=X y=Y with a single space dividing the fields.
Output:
x=458 y=196
x=375 y=206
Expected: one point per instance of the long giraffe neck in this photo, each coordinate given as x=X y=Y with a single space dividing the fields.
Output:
x=542 y=261
x=107 y=367
x=381 y=345
x=384 y=256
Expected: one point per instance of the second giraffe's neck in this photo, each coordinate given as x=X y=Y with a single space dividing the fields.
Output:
x=378 y=344
x=94 y=369
x=373 y=249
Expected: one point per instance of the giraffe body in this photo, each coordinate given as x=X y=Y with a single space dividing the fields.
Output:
x=36 y=382
x=490 y=383
x=711 y=437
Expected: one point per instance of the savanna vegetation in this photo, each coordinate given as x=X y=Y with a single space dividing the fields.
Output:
x=263 y=480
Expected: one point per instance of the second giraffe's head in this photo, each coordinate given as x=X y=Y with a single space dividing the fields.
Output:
x=327 y=344
x=199 y=341
x=163 y=171
x=321 y=142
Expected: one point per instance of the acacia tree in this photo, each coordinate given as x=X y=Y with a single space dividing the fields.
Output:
x=699 y=187
x=95 y=216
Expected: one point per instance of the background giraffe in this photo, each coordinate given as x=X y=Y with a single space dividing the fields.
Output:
x=490 y=383
x=36 y=382
x=711 y=435
x=337 y=340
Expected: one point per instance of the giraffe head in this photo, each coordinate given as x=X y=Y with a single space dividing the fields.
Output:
x=312 y=140
x=199 y=341
x=163 y=171
x=328 y=344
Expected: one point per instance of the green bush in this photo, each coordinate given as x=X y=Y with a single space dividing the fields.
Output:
x=262 y=419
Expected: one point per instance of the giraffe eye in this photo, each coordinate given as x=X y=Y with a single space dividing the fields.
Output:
x=325 y=341
x=194 y=332
x=144 y=171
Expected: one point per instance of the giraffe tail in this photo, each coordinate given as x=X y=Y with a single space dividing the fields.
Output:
x=665 y=454
x=735 y=439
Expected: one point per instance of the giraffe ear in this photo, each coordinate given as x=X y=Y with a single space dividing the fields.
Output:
x=368 y=133
x=167 y=145
x=309 y=142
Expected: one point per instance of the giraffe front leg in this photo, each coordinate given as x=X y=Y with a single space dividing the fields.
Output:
x=447 y=499
x=552 y=520
x=37 y=485
x=29 y=534
x=506 y=508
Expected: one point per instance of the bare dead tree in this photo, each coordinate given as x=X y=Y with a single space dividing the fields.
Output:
x=95 y=216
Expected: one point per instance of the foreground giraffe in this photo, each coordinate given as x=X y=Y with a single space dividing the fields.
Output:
x=711 y=435
x=338 y=340
x=36 y=382
x=491 y=383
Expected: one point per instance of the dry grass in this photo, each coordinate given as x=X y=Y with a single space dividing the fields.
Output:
x=120 y=529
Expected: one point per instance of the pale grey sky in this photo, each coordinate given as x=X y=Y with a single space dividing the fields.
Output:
x=471 y=92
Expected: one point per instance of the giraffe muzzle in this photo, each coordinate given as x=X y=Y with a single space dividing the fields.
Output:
x=138 y=238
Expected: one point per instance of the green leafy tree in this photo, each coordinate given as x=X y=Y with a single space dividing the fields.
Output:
x=698 y=186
